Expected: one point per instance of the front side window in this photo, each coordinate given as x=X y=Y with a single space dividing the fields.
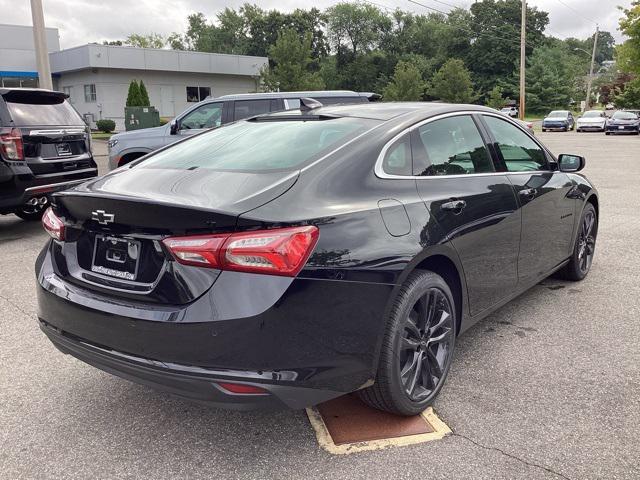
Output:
x=260 y=146
x=205 y=116
x=519 y=152
x=451 y=146
x=249 y=108
x=197 y=94
x=90 y=93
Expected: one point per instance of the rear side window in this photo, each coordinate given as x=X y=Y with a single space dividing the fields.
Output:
x=451 y=146
x=249 y=108
x=397 y=160
x=519 y=152
x=28 y=109
x=260 y=146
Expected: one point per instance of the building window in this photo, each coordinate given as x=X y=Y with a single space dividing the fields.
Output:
x=67 y=91
x=90 y=93
x=197 y=94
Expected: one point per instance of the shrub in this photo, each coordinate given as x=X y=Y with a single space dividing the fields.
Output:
x=144 y=95
x=105 y=125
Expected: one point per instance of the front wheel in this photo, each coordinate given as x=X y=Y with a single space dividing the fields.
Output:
x=584 y=248
x=417 y=348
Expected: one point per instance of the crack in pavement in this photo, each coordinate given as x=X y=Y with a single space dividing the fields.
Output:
x=17 y=307
x=535 y=465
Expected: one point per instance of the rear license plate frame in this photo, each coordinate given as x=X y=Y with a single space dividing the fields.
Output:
x=107 y=266
x=63 y=149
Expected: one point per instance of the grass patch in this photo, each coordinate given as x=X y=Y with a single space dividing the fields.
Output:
x=100 y=135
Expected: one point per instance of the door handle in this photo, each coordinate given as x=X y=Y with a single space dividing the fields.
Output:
x=529 y=193
x=454 y=206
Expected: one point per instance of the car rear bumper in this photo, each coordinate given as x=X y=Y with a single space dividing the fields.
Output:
x=191 y=383
x=23 y=187
x=311 y=341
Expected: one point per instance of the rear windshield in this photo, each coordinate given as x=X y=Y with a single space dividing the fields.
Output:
x=624 y=116
x=252 y=146
x=41 y=109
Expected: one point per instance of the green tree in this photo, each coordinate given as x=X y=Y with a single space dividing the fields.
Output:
x=628 y=54
x=495 y=48
x=356 y=27
x=151 y=40
x=133 y=96
x=630 y=96
x=291 y=56
x=452 y=83
x=495 y=98
x=550 y=83
x=144 y=95
x=406 y=84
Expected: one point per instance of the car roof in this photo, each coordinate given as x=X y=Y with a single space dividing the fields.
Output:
x=309 y=93
x=385 y=110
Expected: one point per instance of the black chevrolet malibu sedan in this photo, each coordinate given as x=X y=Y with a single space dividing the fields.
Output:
x=294 y=257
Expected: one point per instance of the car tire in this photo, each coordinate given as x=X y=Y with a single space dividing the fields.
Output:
x=417 y=348
x=584 y=247
x=607 y=133
x=544 y=129
x=31 y=214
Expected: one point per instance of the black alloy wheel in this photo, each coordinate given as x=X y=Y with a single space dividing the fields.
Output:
x=417 y=348
x=426 y=344
x=584 y=248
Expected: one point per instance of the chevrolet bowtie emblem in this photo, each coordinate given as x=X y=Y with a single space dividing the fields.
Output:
x=102 y=217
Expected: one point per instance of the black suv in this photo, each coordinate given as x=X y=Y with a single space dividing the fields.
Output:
x=45 y=146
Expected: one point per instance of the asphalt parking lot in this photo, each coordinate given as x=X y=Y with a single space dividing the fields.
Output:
x=546 y=387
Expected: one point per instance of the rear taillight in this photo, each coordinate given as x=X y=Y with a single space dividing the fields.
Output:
x=242 y=388
x=282 y=251
x=11 y=145
x=53 y=224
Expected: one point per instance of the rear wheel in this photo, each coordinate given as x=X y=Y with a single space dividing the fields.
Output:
x=417 y=348
x=584 y=247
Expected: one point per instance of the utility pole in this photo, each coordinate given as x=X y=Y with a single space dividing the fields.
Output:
x=593 y=61
x=523 y=53
x=40 y=42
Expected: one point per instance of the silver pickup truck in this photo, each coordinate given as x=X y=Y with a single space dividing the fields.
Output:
x=214 y=112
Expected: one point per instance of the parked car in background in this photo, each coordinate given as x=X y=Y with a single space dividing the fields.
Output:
x=511 y=111
x=592 y=121
x=214 y=112
x=298 y=256
x=558 y=120
x=45 y=146
x=623 y=122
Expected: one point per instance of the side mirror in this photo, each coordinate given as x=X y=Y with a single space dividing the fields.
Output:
x=173 y=127
x=571 y=163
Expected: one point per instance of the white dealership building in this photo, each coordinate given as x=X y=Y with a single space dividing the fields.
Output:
x=96 y=77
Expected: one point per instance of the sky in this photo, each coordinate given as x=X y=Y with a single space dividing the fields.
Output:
x=84 y=21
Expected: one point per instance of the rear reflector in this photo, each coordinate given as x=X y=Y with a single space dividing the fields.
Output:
x=242 y=389
x=282 y=251
x=53 y=224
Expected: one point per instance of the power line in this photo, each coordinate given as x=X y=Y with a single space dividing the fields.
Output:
x=578 y=12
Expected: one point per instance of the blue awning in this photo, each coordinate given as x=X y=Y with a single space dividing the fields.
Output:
x=19 y=74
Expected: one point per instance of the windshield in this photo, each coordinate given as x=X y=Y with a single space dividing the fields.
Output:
x=30 y=110
x=624 y=116
x=265 y=145
x=592 y=114
x=559 y=113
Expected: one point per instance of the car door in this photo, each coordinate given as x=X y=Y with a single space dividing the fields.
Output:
x=204 y=117
x=474 y=206
x=544 y=197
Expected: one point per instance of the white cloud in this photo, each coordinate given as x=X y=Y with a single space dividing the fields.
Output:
x=84 y=21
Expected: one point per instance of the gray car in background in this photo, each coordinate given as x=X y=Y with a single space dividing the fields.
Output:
x=214 y=112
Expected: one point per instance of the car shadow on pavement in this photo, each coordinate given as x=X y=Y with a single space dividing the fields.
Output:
x=14 y=228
